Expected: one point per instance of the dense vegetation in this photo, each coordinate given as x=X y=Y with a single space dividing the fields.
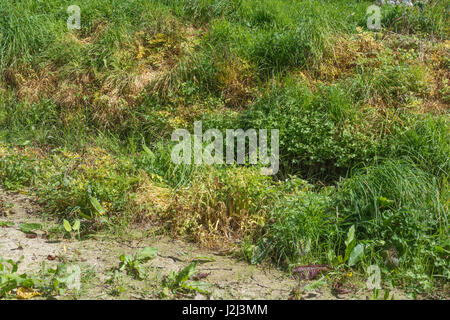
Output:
x=86 y=118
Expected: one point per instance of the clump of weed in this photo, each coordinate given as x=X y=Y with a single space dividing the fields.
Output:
x=426 y=141
x=180 y=282
x=221 y=207
x=425 y=17
x=319 y=134
x=16 y=171
x=91 y=186
x=347 y=54
x=236 y=78
x=405 y=207
x=299 y=229
x=133 y=264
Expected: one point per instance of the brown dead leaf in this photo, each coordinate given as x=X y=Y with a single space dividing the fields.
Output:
x=31 y=235
x=310 y=271
x=338 y=288
x=200 y=276
x=27 y=293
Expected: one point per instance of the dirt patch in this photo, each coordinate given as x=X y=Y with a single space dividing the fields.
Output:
x=227 y=277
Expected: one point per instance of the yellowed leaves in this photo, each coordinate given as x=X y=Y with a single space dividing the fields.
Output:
x=27 y=293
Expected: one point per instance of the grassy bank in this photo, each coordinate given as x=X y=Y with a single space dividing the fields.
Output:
x=86 y=118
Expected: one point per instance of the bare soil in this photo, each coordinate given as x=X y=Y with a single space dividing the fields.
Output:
x=228 y=277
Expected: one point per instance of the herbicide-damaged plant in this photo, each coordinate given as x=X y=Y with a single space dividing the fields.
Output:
x=309 y=135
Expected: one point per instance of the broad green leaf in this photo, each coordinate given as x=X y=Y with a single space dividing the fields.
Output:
x=440 y=249
x=350 y=243
x=385 y=202
x=186 y=273
x=350 y=236
x=30 y=227
x=97 y=206
x=198 y=286
x=147 y=254
x=85 y=216
x=148 y=151
x=203 y=259
x=76 y=225
x=70 y=275
x=356 y=255
x=67 y=226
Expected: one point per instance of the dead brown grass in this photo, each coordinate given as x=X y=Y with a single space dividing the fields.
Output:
x=237 y=78
x=150 y=199
x=347 y=52
x=112 y=94
x=218 y=211
x=433 y=58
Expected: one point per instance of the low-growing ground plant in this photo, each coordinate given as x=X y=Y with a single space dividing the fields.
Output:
x=133 y=265
x=10 y=279
x=319 y=138
x=180 y=283
x=72 y=229
x=47 y=282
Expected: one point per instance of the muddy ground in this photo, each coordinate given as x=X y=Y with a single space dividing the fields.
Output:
x=228 y=277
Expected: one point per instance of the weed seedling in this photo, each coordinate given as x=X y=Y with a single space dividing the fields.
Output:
x=179 y=282
x=71 y=229
x=133 y=264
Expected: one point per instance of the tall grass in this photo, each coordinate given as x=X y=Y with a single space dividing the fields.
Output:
x=233 y=64
x=300 y=231
x=36 y=35
x=396 y=208
x=427 y=19
x=426 y=141
x=405 y=207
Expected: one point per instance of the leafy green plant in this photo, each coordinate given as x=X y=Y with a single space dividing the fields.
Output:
x=48 y=282
x=159 y=165
x=415 y=207
x=6 y=224
x=75 y=228
x=353 y=251
x=424 y=18
x=97 y=206
x=133 y=265
x=10 y=279
x=386 y=295
x=16 y=171
x=179 y=282
x=299 y=229
x=425 y=141
x=318 y=135
x=30 y=227
x=65 y=278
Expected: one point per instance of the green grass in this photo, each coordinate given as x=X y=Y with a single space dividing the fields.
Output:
x=78 y=129
x=426 y=142
x=398 y=207
x=319 y=138
x=425 y=20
